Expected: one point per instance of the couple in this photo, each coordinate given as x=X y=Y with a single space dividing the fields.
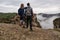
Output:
x=26 y=15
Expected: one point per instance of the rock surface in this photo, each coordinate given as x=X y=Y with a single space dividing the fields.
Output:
x=16 y=32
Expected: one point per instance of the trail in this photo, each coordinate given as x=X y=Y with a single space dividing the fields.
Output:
x=16 y=32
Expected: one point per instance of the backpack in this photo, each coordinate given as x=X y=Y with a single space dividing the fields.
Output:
x=28 y=11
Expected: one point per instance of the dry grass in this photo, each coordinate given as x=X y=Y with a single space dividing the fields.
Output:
x=16 y=32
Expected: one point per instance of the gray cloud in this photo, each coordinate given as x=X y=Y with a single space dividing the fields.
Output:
x=5 y=8
x=10 y=2
x=40 y=4
x=46 y=3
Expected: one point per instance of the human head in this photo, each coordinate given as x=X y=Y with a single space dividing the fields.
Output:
x=22 y=5
x=28 y=4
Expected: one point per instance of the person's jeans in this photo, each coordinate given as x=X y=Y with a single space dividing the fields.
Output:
x=29 y=22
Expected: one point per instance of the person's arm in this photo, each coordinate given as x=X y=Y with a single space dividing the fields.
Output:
x=25 y=11
x=18 y=12
x=32 y=12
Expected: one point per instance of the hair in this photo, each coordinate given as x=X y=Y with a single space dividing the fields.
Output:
x=28 y=4
x=22 y=5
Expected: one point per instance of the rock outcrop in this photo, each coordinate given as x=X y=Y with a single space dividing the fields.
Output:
x=16 y=32
x=16 y=20
x=56 y=23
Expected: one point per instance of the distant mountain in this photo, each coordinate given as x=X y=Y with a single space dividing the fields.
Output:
x=49 y=15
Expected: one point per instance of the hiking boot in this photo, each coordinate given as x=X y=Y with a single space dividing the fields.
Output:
x=31 y=30
x=23 y=26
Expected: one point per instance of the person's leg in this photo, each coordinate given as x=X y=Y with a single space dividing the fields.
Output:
x=27 y=23
x=30 y=23
x=21 y=22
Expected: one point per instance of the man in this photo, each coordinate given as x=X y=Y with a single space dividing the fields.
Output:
x=29 y=15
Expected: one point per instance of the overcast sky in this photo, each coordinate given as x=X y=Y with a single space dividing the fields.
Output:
x=39 y=6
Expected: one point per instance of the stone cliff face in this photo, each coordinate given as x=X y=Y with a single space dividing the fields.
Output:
x=56 y=23
x=16 y=20
x=35 y=23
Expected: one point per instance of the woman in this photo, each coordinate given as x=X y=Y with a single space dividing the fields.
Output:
x=21 y=14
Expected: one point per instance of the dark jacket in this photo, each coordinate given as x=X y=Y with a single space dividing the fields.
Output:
x=20 y=11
